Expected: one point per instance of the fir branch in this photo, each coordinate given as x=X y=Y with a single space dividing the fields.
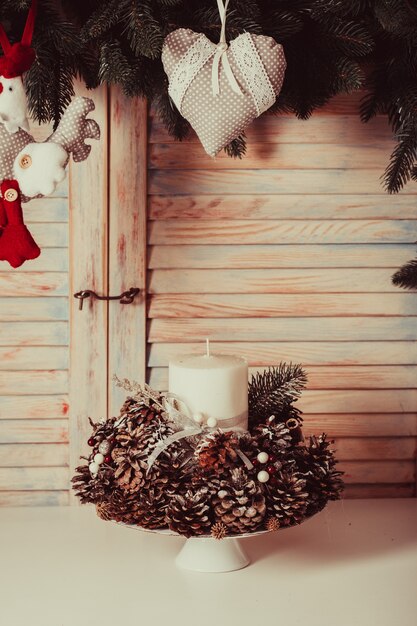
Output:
x=350 y=38
x=237 y=147
x=143 y=30
x=402 y=159
x=270 y=392
x=107 y=15
x=406 y=276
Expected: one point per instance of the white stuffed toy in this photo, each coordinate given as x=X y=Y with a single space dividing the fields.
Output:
x=29 y=169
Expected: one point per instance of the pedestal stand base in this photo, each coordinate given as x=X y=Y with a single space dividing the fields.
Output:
x=201 y=554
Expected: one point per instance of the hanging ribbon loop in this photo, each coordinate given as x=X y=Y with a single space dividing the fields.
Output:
x=221 y=55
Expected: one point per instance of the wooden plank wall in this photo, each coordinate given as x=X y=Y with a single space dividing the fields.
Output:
x=34 y=363
x=287 y=255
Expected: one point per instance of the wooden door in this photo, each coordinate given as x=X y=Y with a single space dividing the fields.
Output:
x=108 y=244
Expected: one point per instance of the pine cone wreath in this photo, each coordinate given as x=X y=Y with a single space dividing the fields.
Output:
x=189 y=515
x=286 y=499
x=240 y=503
x=217 y=451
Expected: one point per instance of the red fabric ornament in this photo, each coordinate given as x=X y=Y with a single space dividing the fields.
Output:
x=3 y=216
x=18 y=57
x=17 y=60
x=16 y=243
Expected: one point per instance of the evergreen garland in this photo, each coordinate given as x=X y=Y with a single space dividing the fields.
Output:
x=331 y=47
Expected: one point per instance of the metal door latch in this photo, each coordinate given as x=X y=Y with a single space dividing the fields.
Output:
x=126 y=297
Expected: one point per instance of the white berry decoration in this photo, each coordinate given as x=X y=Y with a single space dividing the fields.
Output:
x=263 y=457
x=199 y=417
x=263 y=476
x=94 y=467
x=104 y=447
x=98 y=458
x=212 y=422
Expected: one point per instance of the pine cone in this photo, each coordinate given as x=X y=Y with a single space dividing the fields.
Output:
x=273 y=438
x=137 y=412
x=239 y=504
x=151 y=508
x=188 y=515
x=317 y=465
x=120 y=507
x=173 y=469
x=93 y=488
x=272 y=524
x=287 y=498
x=217 y=451
x=130 y=470
x=218 y=531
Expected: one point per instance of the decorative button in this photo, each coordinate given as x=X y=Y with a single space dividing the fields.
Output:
x=10 y=195
x=25 y=161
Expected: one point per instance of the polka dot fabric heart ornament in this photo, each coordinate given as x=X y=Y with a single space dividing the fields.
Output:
x=220 y=89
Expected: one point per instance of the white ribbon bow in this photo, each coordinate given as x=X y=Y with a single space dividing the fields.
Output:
x=189 y=429
x=220 y=54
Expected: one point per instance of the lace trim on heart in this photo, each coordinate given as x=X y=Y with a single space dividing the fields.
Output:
x=249 y=62
x=188 y=67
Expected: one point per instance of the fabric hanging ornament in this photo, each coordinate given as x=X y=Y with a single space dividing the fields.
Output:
x=17 y=59
x=16 y=242
x=220 y=89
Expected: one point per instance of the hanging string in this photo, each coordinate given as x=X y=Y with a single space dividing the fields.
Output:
x=221 y=56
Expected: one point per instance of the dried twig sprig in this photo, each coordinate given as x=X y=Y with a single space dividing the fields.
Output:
x=140 y=392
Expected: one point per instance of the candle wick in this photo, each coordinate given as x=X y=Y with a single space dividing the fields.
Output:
x=208 y=347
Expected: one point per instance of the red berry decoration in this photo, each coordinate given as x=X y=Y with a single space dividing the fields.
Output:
x=271 y=469
x=255 y=462
x=107 y=458
x=91 y=442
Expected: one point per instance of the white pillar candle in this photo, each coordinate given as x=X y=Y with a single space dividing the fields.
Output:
x=214 y=387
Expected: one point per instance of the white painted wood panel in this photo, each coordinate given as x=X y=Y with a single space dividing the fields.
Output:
x=167 y=306
x=309 y=353
x=268 y=256
x=127 y=242
x=281 y=206
x=285 y=329
x=34 y=449
x=34 y=455
x=322 y=377
x=89 y=245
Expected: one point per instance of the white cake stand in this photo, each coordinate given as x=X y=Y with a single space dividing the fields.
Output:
x=205 y=554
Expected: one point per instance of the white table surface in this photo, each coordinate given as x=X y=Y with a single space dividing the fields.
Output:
x=354 y=564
